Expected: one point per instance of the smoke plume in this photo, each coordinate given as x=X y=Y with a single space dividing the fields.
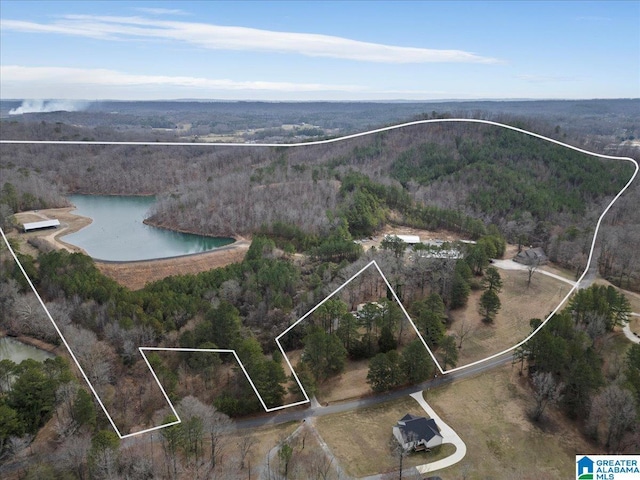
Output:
x=46 y=106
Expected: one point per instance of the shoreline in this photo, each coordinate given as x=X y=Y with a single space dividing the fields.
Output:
x=235 y=237
x=72 y=223
x=33 y=342
x=132 y=274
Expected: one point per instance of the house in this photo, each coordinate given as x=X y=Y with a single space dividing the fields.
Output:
x=417 y=433
x=532 y=256
x=29 y=227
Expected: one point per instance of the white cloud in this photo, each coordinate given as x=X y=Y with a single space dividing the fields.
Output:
x=218 y=37
x=13 y=76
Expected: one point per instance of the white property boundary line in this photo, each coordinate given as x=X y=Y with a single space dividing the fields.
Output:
x=300 y=144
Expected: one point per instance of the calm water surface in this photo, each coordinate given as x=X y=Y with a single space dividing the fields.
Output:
x=118 y=234
x=11 y=349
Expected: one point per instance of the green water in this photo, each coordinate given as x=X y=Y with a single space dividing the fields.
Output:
x=11 y=349
x=118 y=234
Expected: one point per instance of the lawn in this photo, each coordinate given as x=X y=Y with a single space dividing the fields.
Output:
x=520 y=303
x=266 y=438
x=489 y=412
x=360 y=439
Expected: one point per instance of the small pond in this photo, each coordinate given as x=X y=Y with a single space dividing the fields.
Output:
x=12 y=349
x=118 y=234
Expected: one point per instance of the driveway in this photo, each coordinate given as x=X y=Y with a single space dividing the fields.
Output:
x=448 y=436
x=628 y=333
x=511 y=265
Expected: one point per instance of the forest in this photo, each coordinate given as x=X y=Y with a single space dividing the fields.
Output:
x=461 y=177
x=303 y=208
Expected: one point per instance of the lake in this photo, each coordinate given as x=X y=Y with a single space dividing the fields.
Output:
x=16 y=351
x=118 y=234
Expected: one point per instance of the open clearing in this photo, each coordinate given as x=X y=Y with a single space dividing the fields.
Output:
x=520 y=303
x=489 y=412
x=360 y=439
x=352 y=383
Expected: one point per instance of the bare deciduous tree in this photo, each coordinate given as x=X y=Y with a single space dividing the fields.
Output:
x=245 y=443
x=463 y=331
x=72 y=454
x=531 y=269
x=613 y=412
x=547 y=391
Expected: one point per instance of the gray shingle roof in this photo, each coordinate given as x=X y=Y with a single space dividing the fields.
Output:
x=415 y=429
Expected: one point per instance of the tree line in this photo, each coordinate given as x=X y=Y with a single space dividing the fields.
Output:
x=568 y=367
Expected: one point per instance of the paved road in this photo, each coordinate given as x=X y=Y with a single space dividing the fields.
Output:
x=319 y=411
x=592 y=273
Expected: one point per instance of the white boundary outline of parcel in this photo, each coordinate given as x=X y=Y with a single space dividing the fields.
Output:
x=302 y=144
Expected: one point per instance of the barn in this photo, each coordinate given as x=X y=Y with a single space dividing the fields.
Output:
x=408 y=239
x=44 y=224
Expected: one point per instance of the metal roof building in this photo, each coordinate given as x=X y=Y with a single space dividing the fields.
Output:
x=410 y=239
x=28 y=227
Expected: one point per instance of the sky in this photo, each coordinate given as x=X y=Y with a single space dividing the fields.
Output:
x=307 y=51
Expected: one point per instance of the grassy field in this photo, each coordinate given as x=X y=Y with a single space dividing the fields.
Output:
x=489 y=412
x=360 y=439
x=520 y=303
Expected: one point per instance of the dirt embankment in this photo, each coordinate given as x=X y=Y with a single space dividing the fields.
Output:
x=34 y=342
x=135 y=275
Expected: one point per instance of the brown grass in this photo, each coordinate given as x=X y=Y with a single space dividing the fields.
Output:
x=352 y=383
x=360 y=439
x=634 y=300
x=266 y=438
x=520 y=303
x=489 y=412
x=135 y=275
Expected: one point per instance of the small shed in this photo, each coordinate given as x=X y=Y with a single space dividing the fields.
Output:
x=31 y=226
x=417 y=433
x=532 y=256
